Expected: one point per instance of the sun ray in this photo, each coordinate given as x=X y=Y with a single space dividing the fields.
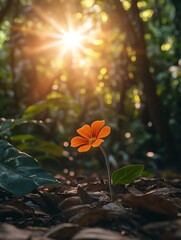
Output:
x=47 y=19
x=45 y=47
x=66 y=39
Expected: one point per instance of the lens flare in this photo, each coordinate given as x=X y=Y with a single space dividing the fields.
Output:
x=71 y=40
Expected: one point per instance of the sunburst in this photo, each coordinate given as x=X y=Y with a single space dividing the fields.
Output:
x=72 y=40
x=62 y=40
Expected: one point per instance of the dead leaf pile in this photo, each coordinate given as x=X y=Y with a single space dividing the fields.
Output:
x=81 y=209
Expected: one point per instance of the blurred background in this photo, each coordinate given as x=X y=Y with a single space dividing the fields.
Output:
x=64 y=63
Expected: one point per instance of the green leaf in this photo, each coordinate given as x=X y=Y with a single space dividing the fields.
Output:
x=22 y=137
x=127 y=174
x=32 y=143
x=42 y=146
x=51 y=104
x=8 y=124
x=21 y=173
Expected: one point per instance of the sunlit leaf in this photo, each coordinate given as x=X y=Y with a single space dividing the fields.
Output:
x=19 y=172
x=127 y=174
x=22 y=137
x=146 y=14
x=50 y=104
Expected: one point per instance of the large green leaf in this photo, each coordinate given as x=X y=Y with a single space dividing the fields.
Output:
x=19 y=172
x=127 y=174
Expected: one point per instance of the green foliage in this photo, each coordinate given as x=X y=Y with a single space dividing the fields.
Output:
x=34 y=144
x=127 y=174
x=8 y=124
x=51 y=104
x=20 y=173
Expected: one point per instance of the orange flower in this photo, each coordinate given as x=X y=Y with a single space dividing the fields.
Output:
x=90 y=136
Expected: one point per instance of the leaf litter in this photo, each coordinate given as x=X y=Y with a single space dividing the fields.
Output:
x=81 y=209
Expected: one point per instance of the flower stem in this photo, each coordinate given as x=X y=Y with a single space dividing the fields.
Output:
x=108 y=171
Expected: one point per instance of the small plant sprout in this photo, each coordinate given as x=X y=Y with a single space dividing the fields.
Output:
x=92 y=136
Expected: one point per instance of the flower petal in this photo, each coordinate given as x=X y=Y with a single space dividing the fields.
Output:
x=85 y=131
x=97 y=142
x=105 y=131
x=77 y=141
x=96 y=127
x=84 y=148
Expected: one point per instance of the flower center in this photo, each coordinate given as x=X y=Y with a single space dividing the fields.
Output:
x=91 y=140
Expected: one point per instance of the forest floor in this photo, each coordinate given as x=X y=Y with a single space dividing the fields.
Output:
x=149 y=208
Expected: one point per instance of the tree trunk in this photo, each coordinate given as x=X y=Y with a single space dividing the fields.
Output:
x=153 y=101
x=135 y=37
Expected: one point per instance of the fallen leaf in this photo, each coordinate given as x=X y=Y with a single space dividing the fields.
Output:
x=84 y=195
x=168 y=230
x=69 y=202
x=76 y=210
x=152 y=203
x=117 y=207
x=93 y=216
x=63 y=231
x=98 y=234
x=10 y=232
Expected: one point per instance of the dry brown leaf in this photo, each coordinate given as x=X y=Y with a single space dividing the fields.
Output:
x=98 y=234
x=10 y=212
x=96 y=187
x=63 y=231
x=41 y=238
x=84 y=195
x=69 y=202
x=165 y=191
x=117 y=207
x=93 y=216
x=10 y=232
x=79 y=209
x=168 y=230
x=37 y=231
x=135 y=191
x=21 y=206
x=36 y=200
x=152 y=203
